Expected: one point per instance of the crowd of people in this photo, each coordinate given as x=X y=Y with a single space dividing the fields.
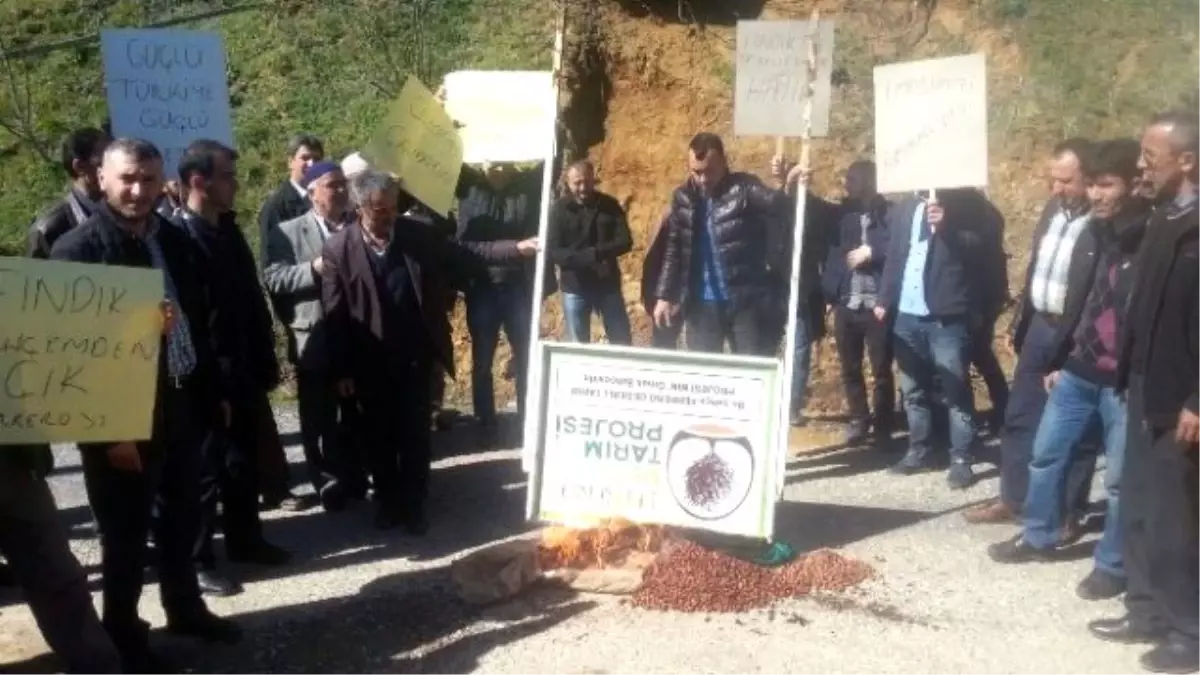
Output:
x=362 y=278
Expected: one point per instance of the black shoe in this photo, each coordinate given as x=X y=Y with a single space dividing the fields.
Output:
x=1017 y=551
x=960 y=476
x=288 y=502
x=416 y=525
x=216 y=584
x=856 y=432
x=206 y=626
x=1125 y=631
x=6 y=575
x=797 y=419
x=1100 y=585
x=333 y=496
x=1176 y=654
x=914 y=462
x=146 y=661
x=260 y=553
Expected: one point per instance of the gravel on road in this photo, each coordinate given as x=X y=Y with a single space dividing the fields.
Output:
x=357 y=600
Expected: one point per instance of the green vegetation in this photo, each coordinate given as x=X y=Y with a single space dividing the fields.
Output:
x=327 y=68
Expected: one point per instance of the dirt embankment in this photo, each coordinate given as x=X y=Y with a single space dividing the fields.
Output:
x=643 y=76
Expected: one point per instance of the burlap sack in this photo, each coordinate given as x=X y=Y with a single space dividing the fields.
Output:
x=497 y=572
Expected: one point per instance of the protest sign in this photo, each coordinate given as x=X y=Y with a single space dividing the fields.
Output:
x=78 y=351
x=771 y=77
x=505 y=116
x=931 y=124
x=418 y=142
x=167 y=87
x=674 y=439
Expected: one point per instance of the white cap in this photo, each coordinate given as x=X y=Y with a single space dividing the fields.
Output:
x=354 y=163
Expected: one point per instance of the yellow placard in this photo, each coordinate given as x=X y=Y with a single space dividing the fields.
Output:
x=418 y=141
x=79 y=351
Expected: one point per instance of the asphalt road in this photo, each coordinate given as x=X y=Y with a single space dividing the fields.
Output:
x=356 y=600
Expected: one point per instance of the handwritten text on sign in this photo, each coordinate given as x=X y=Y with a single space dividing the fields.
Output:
x=931 y=124
x=78 y=351
x=418 y=142
x=772 y=77
x=685 y=443
x=167 y=87
x=506 y=116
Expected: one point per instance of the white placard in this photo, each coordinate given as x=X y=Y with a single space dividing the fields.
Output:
x=504 y=116
x=654 y=437
x=931 y=124
x=167 y=87
x=771 y=79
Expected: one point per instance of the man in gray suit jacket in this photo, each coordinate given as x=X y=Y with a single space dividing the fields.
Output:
x=293 y=277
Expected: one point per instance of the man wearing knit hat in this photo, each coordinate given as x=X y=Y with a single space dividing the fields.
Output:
x=294 y=268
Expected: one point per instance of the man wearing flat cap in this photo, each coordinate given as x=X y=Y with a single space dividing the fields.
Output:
x=294 y=269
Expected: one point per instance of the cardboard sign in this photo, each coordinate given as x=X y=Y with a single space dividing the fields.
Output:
x=418 y=142
x=931 y=124
x=167 y=87
x=79 y=351
x=504 y=116
x=675 y=439
x=771 y=78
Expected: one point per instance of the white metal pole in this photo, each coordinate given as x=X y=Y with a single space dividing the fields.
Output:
x=533 y=364
x=789 y=349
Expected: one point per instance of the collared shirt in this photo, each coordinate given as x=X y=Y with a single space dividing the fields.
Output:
x=325 y=227
x=864 y=290
x=1051 y=272
x=912 y=285
x=302 y=192
x=181 y=353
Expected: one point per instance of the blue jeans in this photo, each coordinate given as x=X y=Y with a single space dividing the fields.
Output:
x=577 y=313
x=803 y=365
x=1075 y=404
x=490 y=308
x=932 y=351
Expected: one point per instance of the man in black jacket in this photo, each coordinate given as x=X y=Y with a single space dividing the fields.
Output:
x=1082 y=381
x=498 y=221
x=1065 y=220
x=588 y=235
x=851 y=280
x=931 y=291
x=82 y=151
x=1159 y=358
x=724 y=257
x=123 y=479
x=245 y=344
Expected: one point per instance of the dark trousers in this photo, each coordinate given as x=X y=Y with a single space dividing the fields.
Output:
x=122 y=502
x=395 y=435
x=709 y=326
x=1158 y=517
x=857 y=332
x=273 y=472
x=34 y=541
x=667 y=337
x=490 y=308
x=1026 y=402
x=320 y=434
x=983 y=357
x=231 y=477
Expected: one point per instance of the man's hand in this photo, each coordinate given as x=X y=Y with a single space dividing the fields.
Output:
x=345 y=387
x=1187 y=430
x=226 y=413
x=124 y=456
x=780 y=168
x=528 y=247
x=859 y=257
x=664 y=313
x=799 y=175
x=1050 y=380
x=318 y=265
x=168 y=316
x=880 y=313
x=935 y=214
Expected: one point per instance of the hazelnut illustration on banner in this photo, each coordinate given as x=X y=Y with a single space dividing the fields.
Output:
x=710 y=469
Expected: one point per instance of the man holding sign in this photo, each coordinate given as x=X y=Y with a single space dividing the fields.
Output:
x=124 y=478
